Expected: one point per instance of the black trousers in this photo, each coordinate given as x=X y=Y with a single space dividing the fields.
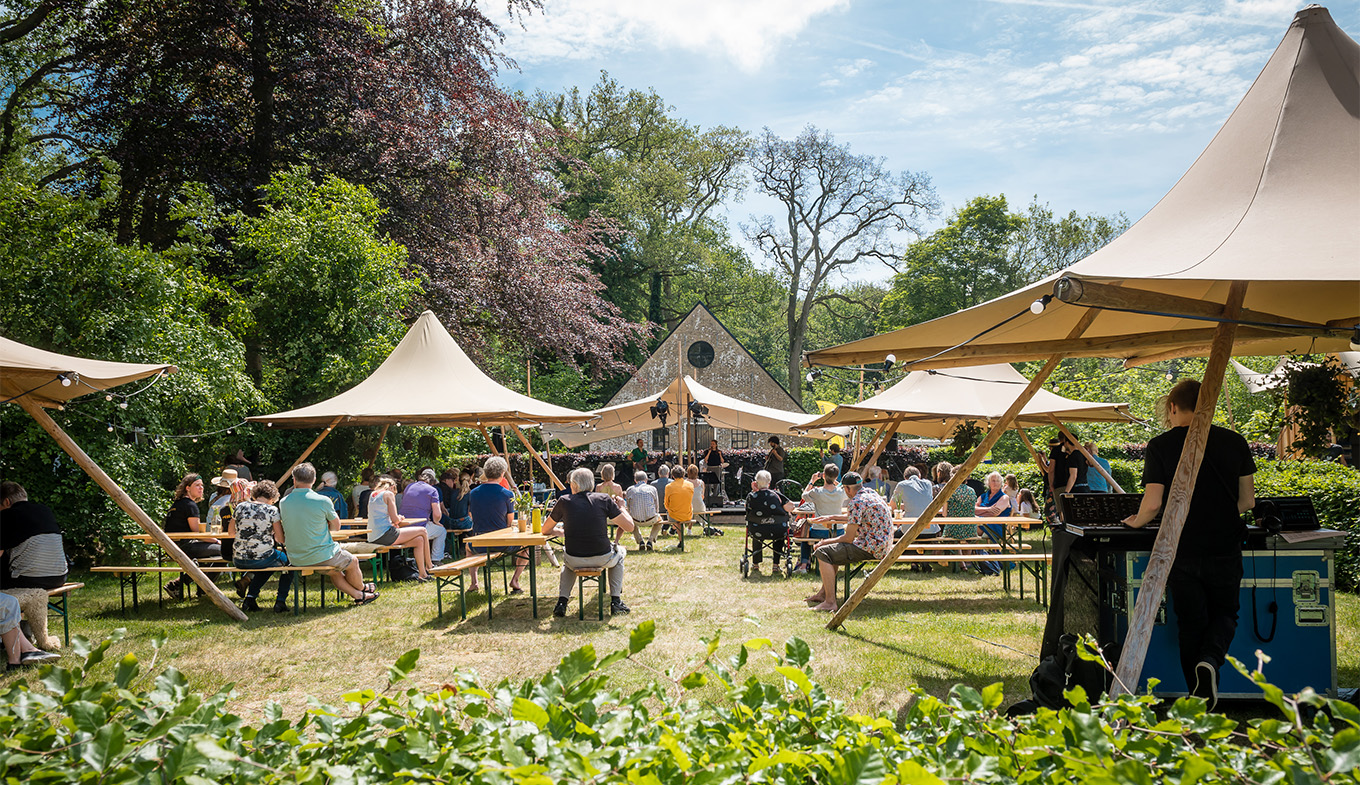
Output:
x=32 y=582
x=1204 y=592
x=775 y=532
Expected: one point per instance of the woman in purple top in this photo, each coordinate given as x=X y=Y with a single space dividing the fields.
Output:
x=421 y=500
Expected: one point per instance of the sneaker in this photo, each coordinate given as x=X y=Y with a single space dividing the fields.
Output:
x=1206 y=683
x=560 y=609
x=242 y=584
x=175 y=589
x=249 y=604
x=39 y=656
x=616 y=606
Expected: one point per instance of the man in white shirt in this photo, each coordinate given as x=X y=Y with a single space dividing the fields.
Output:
x=644 y=507
x=826 y=499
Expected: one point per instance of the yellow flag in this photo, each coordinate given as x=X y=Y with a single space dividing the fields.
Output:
x=824 y=407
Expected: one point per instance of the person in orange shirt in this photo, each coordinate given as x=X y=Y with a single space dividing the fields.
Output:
x=680 y=501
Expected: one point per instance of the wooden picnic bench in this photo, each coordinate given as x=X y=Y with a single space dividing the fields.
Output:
x=127 y=578
x=37 y=604
x=453 y=573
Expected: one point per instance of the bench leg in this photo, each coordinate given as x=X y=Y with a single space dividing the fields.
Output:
x=462 y=598
x=59 y=605
x=487 y=575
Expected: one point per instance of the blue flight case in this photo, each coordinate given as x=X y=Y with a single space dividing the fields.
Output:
x=1299 y=636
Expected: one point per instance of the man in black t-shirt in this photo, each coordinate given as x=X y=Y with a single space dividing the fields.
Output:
x=582 y=518
x=1207 y=573
x=31 y=554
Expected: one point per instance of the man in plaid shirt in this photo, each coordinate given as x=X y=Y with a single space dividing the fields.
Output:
x=868 y=535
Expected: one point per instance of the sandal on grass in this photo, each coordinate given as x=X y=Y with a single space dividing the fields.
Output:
x=367 y=597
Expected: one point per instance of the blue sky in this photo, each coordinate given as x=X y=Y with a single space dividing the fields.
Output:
x=1092 y=106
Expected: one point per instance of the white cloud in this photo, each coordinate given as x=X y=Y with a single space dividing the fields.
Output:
x=855 y=68
x=746 y=33
x=1270 y=9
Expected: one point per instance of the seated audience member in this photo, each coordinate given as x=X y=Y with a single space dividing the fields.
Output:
x=502 y=479
x=219 y=516
x=184 y=517
x=697 y=505
x=644 y=507
x=328 y=488
x=18 y=651
x=868 y=536
x=993 y=504
x=959 y=505
x=421 y=500
x=583 y=518
x=1011 y=486
x=767 y=518
x=876 y=483
x=680 y=500
x=492 y=506
x=257 y=528
x=606 y=485
x=308 y=518
x=357 y=505
x=385 y=526
x=912 y=494
x=453 y=493
x=1025 y=504
x=31 y=554
x=663 y=478
x=221 y=486
x=827 y=500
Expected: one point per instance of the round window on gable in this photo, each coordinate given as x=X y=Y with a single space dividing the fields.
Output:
x=700 y=354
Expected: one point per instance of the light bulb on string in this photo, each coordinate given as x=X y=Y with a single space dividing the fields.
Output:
x=65 y=380
x=108 y=397
x=122 y=405
x=110 y=429
x=1037 y=307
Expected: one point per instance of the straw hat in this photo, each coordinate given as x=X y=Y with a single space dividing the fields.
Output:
x=227 y=478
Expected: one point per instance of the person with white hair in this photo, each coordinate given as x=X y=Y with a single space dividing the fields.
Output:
x=308 y=518
x=421 y=501
x=329 y=481
x=767 y=518
x=583 y=518
x=492 y=506
x=644 y=506
x=993 y=504
x=876 y=483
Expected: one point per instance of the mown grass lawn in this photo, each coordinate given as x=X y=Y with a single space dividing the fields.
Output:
x=928 y=630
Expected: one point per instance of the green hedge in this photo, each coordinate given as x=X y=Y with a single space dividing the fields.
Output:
x=705 y=722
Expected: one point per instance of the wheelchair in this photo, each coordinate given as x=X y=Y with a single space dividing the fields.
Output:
x=767 y=545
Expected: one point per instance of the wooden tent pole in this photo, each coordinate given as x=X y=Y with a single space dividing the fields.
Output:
x=490 y=445
x=1090 y=459
x=308 y=451
x=129 y=506
x=1177 y=502
x=1039 y=459
x=960 y=474
x=539 y=458
x=373 y=456
x=889 y=431
x=862 y=455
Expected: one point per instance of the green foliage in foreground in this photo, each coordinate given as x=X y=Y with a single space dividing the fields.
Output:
x=707 y=723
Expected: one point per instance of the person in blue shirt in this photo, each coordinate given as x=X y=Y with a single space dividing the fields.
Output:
x=492 y=507
x=1094 y=479
x=308 y=518
x=836 y=459
x=328 y=482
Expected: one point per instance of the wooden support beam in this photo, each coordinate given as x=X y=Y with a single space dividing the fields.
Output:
x=308 y=451
x=373 y=455
x=129 y=506
x=1075 y=291
x=863 y=455
x=1098 y=346
x=1177 y=504
x=1090 y=459
x=960 y=474
x=490 y=445
x=888 y=431
x=1039 y=459
x=539 y=458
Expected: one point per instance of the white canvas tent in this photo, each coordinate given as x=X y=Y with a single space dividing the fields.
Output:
x=724 y=411
x=428 y=380
x=36 y=380
x=932 y=404
x=1274 y=200
x=1256 y=250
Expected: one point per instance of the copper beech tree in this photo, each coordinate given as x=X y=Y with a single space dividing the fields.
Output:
x=400 y=97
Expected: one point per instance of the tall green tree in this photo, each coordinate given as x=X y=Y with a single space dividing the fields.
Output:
x=837 y=209
x=985 y=251
x=625 y=155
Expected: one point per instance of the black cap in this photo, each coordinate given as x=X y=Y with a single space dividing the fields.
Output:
x=852 y=478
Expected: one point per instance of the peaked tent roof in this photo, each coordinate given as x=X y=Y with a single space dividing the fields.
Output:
x=724 y=411
x=1274 y=200
x=427 y=380
x=36 y=373
x=935 y=402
